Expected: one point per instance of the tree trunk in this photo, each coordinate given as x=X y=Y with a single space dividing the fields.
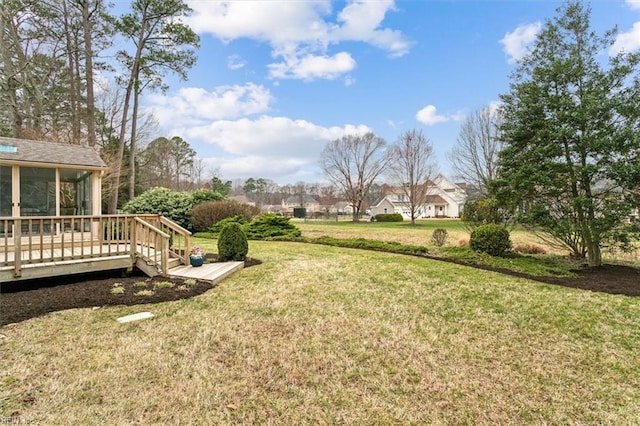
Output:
x=73 y=77
x=132 y=143
x=133 y=77
x=594 y=254
x=113 y=202
x=88 y=60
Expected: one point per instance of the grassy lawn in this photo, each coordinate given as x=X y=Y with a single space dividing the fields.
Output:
x=403 y=232
x=323 y=335
x=420 y=234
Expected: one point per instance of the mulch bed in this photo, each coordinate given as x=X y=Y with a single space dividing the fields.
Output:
x=20 y=301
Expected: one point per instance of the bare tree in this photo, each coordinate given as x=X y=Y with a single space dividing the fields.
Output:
x=474 y=158
x=411 y=167
x=353 y=163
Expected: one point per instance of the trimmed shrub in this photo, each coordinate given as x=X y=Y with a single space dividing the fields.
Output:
x=232 y=243
x=439 y=236
x=491 y=239
x=240 y=220
x=270 y=225
x=208 y=213
x=389 y=217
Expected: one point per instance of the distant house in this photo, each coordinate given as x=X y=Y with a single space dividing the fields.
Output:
x=444 y=199
x=295 y=201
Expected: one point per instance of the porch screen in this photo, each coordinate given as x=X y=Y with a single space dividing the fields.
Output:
x=75 y=192
x=37 y=191
x=5 y=191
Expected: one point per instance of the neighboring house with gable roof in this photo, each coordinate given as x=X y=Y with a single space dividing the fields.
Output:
x=444 y=199
x=307 y=201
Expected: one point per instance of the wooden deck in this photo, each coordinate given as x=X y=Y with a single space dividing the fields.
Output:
x=54 y=246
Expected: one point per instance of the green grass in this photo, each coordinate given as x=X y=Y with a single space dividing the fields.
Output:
x=326 y=335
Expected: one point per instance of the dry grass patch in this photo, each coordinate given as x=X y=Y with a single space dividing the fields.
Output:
x=320 y=335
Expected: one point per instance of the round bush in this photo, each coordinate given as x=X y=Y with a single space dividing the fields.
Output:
x=232 y=243
x=490 y=239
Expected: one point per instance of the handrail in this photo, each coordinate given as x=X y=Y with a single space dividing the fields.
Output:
x=176 y=229
x=150 y=226
x=171 y=224
x=150 y=243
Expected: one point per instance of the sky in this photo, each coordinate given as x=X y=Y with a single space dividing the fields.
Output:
x=277 y=80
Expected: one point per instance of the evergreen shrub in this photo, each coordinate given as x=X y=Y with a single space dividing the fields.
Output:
x=389 y=217
x=232 y=243
x=269 y=225
x=491 y=239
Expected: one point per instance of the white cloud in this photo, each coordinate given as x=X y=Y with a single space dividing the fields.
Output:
x=301 y=32
x=627 y=42
x=270 y=136
x=360 y=22
x=195 y=106
x=516 y=43
x=429 y=116
x=311 y=67
x=267 y=146
x=235 y=62
x=242 y=167
x=634 y=4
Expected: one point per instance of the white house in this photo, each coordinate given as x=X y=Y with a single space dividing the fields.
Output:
x=444 y=199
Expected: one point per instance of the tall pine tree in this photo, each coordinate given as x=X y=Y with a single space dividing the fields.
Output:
x=571 y=130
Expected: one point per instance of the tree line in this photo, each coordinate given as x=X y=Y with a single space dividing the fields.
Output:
x=53 y=53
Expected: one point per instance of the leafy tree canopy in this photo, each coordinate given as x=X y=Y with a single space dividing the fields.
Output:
x=571 y=129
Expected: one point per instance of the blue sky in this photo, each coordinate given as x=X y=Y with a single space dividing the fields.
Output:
x=276 y=80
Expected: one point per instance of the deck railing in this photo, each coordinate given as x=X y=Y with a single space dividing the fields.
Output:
x=179 y=237
x=49 y=240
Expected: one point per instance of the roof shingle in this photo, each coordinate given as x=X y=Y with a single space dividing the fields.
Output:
x=49 y=153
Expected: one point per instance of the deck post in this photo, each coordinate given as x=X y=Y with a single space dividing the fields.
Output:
x=17 y=248
x=133 y=242
x=164 y=261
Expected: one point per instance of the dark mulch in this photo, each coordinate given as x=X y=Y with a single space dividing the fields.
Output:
x=612 y=279
x=20 y=301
